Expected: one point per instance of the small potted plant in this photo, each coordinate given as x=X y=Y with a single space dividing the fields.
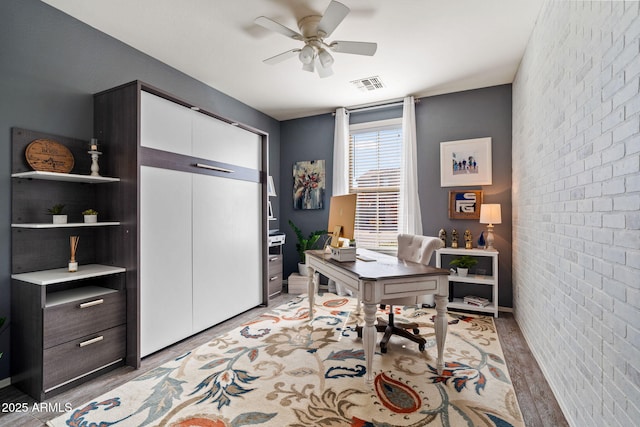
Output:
x=90 y=215
x=463 y=263
x=304 y=244
x=56 y=214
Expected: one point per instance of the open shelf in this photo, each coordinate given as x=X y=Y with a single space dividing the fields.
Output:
x=460 y=304
x=473 y=278
x=67 y=225
x=68 y=177
x=61 y=275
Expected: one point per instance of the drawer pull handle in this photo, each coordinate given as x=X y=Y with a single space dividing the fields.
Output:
x=91 y=303
x=273 y=278
x=213 y=168
x=91 y=341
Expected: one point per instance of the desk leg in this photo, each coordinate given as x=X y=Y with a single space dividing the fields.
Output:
x=441 y=329
x=311 y=291
x=369 y=339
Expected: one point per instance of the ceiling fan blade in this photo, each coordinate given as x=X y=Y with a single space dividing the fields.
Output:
x=282 y=57
x=358 y=48
x=323 y=71
x=332 y=17
x=272 y=25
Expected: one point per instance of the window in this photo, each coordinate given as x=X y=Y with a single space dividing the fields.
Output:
x=375 y=155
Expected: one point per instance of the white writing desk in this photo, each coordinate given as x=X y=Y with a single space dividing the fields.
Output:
x=373 y=281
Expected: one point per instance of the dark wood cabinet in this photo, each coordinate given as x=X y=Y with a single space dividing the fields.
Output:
x=66 y=326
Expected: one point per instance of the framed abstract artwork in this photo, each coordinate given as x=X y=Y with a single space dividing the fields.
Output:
x=308 y=184
x=465 y=204
x=465 y=162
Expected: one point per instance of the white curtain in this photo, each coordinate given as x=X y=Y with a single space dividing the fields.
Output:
x=340 y=172
x=341 y=153
x=410 y=218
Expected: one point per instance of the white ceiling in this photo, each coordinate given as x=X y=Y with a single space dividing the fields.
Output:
x=425 y=47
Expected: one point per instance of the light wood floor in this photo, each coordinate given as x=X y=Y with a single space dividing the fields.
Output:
x=537 y=402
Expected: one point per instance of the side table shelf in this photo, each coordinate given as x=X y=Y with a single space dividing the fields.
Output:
x=490 y=279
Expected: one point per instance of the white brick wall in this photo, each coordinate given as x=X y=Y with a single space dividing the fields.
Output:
x=576 y=206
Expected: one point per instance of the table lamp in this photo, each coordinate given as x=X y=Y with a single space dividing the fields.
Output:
x=490 y=214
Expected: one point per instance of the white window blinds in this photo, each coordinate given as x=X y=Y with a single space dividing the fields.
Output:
x=375 y=154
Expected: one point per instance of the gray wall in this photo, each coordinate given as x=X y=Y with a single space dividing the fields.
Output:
x=50 y=65
x=463 y=115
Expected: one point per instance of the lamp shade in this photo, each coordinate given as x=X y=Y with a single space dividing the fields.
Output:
x=490 y=213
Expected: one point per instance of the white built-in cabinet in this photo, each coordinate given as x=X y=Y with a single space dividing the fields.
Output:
x=201 y=236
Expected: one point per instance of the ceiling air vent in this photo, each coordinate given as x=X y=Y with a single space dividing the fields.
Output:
x=368 y=84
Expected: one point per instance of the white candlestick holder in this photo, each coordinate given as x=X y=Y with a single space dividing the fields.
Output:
x=94 y=162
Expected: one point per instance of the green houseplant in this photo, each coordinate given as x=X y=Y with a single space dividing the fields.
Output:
x=463 y=264
x=56 y=214
x=305 y=244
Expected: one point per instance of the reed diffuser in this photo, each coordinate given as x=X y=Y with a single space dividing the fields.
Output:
x=73 y=264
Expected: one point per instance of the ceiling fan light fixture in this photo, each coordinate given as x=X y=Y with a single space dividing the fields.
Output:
x=306 y=55
x=308 y=67
x=325 y=58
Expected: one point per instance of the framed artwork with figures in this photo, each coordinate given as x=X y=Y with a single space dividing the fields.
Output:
x=465 y=162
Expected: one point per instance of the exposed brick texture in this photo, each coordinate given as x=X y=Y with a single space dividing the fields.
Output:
x=576 y=202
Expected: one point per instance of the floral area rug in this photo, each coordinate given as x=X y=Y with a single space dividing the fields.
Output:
x=282 y=370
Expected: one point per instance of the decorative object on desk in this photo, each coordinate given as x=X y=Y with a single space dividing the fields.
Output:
x=90 y=216
x=73 y=242
x=465 y=204
x=481 y=241
x=468 y=239
x=442 y=235
x=56 y=214
x=93 y=151
x=465 y=162
x=454 y=238
x=299 y=373
x=463 y=264
x=49 y=156
x=308 y=184
x=490 y=214
x=305 y=244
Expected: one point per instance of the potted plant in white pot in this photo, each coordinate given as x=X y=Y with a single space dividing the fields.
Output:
x=90 y=215
x=305 y=244
x=463 y=264
x=56 y=214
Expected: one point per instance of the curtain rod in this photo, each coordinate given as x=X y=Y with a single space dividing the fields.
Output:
x=376 y=107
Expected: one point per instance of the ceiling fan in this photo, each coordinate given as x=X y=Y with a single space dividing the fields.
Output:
x=315 y=55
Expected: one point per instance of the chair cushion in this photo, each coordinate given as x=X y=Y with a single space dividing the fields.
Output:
x=417 y=248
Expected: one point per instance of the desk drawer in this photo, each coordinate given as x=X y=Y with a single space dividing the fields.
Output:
x=78 y=357
x=66 y=322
